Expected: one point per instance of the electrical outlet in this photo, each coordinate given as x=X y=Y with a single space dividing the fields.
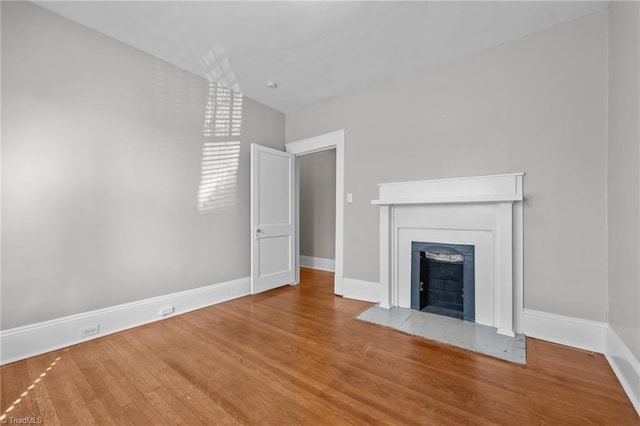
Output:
x=166 y=310
x=90 y=331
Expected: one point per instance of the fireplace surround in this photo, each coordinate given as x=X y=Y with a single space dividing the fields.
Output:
x=483 y=211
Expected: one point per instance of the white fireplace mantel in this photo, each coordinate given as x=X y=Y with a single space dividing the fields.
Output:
x=476 y=189
x=484 y=211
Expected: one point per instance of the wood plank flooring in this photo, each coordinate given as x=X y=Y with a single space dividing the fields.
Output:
x=297 y=355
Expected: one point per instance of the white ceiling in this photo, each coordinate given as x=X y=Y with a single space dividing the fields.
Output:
x=315 y=50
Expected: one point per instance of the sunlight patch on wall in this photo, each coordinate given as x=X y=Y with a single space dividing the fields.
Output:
x=223 y=114
x=222 y=120
x=216 y=67
x=219 y=176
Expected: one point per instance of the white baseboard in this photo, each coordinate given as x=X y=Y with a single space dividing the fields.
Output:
x=337 y=284
x=35 y=339
x=360 y=290
x=625 y=366
x=569 y=331
x=318 y=263
x=589 y=335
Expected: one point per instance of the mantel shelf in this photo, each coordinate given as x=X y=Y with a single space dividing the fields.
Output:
x=450 y=200
x=464 y=190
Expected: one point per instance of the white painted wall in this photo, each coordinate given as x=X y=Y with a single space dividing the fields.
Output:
x=318 y=204
x=536 y=105
x=102 y=147
x=623 y=182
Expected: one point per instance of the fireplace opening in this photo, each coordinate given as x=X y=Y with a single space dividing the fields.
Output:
x=441 y=290
x=443 y=279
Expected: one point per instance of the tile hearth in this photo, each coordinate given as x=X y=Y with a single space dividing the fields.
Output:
x=463 y=334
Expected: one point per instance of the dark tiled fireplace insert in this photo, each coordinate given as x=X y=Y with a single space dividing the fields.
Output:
x=442 y=279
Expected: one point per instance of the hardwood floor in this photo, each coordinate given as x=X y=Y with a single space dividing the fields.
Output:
x=297 y=355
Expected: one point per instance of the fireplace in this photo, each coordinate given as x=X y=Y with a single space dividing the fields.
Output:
x=484 y=212
x=443 y=280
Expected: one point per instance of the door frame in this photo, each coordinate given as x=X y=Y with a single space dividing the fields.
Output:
x=324 y=142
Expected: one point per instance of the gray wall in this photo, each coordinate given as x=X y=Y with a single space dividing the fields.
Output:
x=535 y=105
x=623 y=176
x=318 y=204
x=100 y=173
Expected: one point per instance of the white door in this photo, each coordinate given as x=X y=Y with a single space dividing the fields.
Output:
x=272 y=218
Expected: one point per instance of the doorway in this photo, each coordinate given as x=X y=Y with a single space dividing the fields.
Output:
x=328 y=141
x=317 y=200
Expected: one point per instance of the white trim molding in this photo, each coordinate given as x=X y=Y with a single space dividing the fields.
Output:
x=361 y=290
x=569 y=331
x=589 y=335
x=333 y=140
x=625 y=366
x=318 y=143
x=320 y=263
x=35 y=339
